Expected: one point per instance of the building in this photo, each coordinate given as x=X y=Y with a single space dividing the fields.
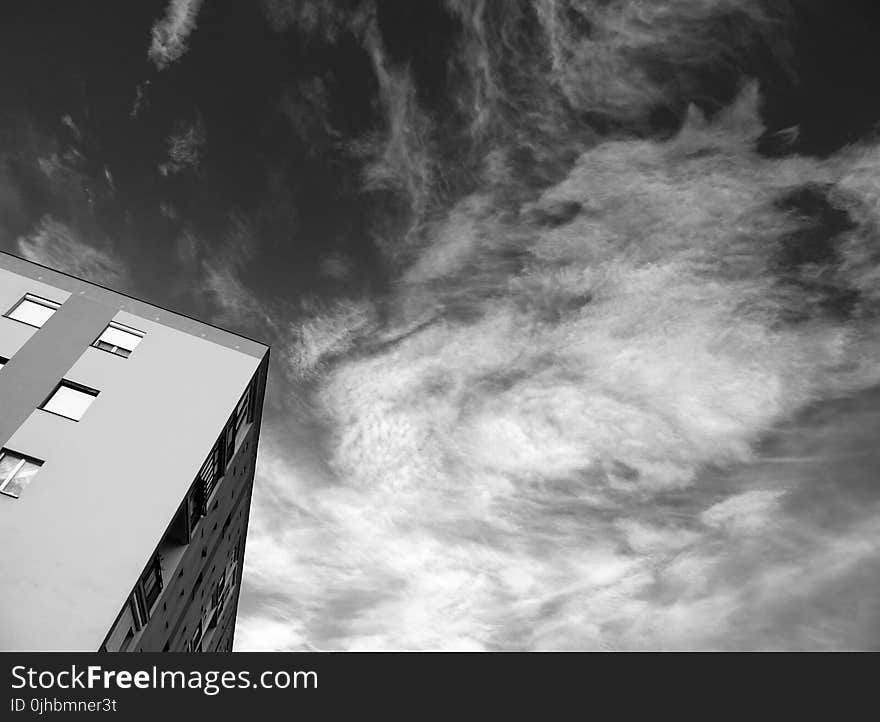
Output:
x=128 y=440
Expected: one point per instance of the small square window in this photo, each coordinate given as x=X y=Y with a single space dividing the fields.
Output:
x=70 y=400
x=119 y=339
x=33 y=310
x=16 y=471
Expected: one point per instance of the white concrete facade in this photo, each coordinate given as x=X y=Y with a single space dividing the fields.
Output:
x=79 y=536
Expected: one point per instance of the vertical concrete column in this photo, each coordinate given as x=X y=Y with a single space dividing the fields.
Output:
x=32 y=374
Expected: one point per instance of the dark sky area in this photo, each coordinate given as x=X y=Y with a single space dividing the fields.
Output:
x=86 y=61
x=277 y=111
x=440 y=215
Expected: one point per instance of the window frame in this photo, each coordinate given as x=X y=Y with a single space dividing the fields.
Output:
x=76 y=387
x=216 y=465
x=37 y=300
x=115 y=348
x=154 y=570
x=196 y=505
x=195 y=642
x=23 y=459
x=127 y=641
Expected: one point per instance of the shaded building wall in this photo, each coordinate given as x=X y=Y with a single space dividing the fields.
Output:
x=217 y=545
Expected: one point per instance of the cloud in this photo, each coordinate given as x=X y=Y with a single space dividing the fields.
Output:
x=58 y=246
x=327 y=334
x=327 y=18
x=554 y=440
x=748 y=511
x=606 y=68
x=11 y=203
x=185 y=149
x=221 y=269
x=398 y=157
x=236 y=303
x=619 y=396
x=265 y=633
x=170 y=34
x=337 y=266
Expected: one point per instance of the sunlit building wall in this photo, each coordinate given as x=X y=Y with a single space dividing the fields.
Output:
x=128 y=441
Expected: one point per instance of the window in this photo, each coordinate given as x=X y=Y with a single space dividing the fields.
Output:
x=3 y=361
x=221 y=584
x=33 y=310
x=222 y=453
x=217 y=599
x=244 y=415
x=16 y=471
x=195 y=644
x=70 y=400
x=129 y=638
x=196 y=506
x=118 y=339
x=209 y=475
x=178 y=532
x=197 y=584
x=150 y=586
x=229 y=450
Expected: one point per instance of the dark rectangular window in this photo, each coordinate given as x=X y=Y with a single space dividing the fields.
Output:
x=196 y=642
x=137 y=609
x=210 y=474
x=243 y=413
x=151 y=584
x=126 y=643
x=196 y=504
x=197 y=584
x=178 y=532
x=118 y=339
x=229 y=450
x=221 y=455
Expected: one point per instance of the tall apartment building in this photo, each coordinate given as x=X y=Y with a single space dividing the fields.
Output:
x=128 y=440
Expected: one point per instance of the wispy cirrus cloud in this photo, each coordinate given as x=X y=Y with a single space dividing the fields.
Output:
x=622 y=395
x=215 y=273
x=57 y=245
x=327 y=333
x=185 y=149
x=596 y=436
x=170 y=34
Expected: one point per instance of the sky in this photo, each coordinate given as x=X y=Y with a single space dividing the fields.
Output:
x=573 y=304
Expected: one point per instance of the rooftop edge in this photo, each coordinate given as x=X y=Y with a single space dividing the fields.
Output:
x=132 y=304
